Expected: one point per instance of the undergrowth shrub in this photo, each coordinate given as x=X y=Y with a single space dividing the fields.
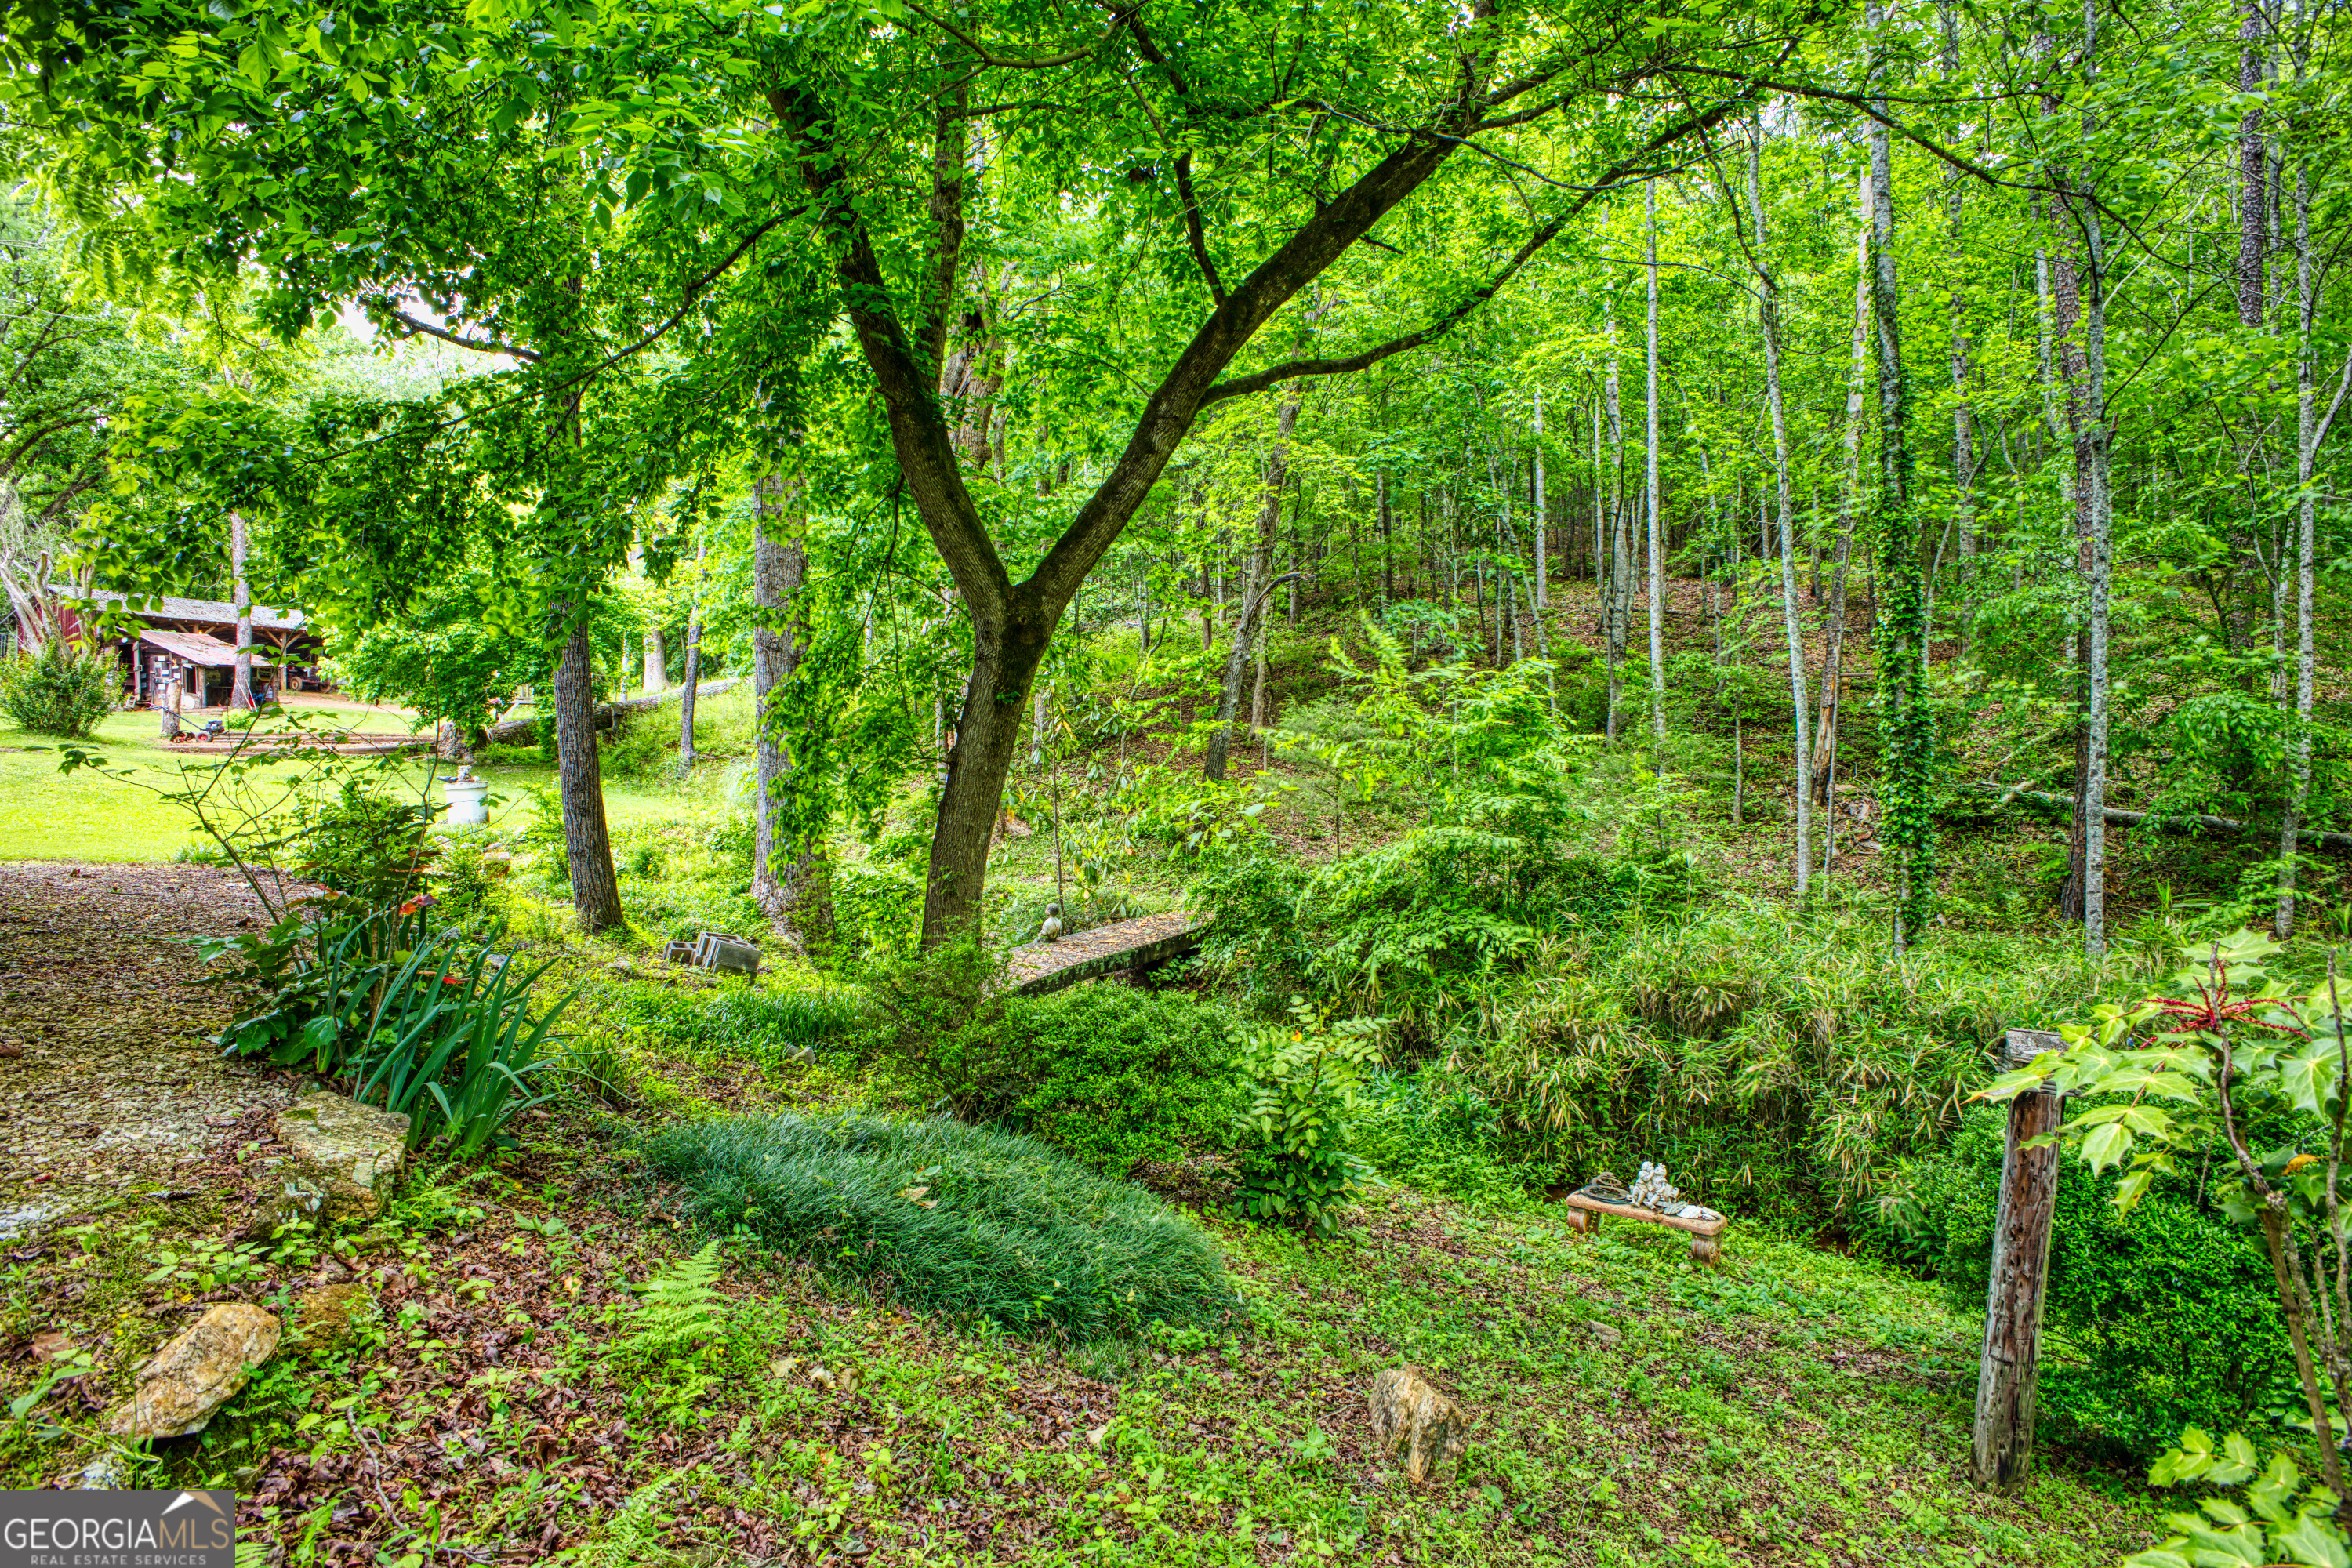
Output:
x=541 y=834
x=1299 y=1166
x=59 y=691
x=878 y=913
x=1410 y=1129
x=1115 y=1075
x=768 y=1026
x=972 y=1222
x=1111 y=1074
x=1780 y=1063
x=2168 y=1315
x=366 y=844
x=428 y=1023
x=640 y=745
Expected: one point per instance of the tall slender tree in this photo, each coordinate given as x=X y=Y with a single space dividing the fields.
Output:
x=1657 y=595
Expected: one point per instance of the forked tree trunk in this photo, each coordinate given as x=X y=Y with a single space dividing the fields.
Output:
x=596 y=891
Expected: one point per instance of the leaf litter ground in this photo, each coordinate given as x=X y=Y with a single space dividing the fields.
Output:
x=502 y=1401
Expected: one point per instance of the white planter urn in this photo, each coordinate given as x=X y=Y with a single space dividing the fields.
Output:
x=469 y=800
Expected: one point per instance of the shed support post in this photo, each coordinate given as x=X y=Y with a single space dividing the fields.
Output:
x=2006 y=1376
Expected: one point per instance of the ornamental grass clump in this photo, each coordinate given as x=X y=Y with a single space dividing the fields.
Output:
x=966 y=1221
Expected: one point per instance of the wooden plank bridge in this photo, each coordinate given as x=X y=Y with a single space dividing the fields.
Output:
x=1043 y=966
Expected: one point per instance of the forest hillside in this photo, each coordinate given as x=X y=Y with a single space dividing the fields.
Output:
x=1536 y=783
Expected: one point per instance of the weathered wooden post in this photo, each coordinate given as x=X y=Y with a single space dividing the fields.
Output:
x=2021 y=1260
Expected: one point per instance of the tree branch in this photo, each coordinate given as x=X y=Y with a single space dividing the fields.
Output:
x=1177 y=402
x=1044 y=62
x=478 y=345
x=1193 y=233
x=947 y=217
x=1259 y=381
x=918 y=431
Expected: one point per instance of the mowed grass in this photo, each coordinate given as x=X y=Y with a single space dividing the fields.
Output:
x=47 y=815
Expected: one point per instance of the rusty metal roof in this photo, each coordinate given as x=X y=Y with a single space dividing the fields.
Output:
x=196 y=648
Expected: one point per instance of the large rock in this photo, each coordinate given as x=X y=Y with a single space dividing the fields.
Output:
x=295 y=1203
x=196 y=1373
x=1410 y=1416
x=353 y=1151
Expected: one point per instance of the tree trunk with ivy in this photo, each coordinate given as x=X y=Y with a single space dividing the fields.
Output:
x=1906 y=772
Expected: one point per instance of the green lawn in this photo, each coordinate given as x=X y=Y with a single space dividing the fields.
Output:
x=88 y=816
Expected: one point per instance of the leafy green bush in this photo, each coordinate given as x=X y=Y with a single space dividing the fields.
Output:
x=1114 y=1075
x=1111 y=1074
x=58 y=690
x=1298 y=1167
x=967 y=1221
x=878 y=913
x=2167 y=1316
x=364 y=844
x=461 y=881
x=640 y=745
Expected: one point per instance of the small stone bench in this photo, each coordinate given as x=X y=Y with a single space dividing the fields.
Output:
x=1585 y=1212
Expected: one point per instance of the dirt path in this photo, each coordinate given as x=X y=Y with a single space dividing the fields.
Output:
x=107 y=1087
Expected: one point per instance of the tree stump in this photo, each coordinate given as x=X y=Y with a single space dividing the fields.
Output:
x=2007 y=1373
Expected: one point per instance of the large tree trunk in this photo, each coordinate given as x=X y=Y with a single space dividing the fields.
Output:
x=1008 y=646
x=596 y=891
x=1261 y=574
x=241 y=696
x=1657 y=557
x=785 y=871
x=1769 y=296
